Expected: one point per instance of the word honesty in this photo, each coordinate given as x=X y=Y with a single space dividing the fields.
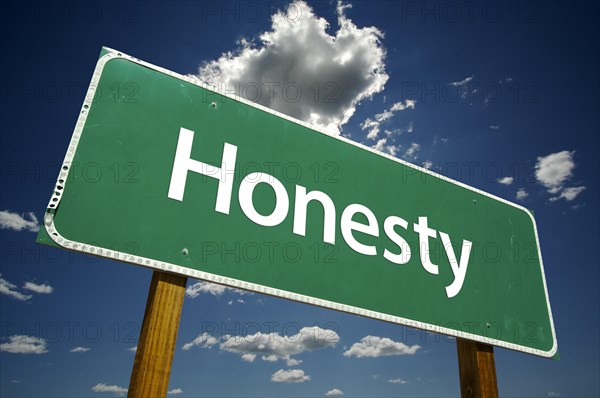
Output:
x=183 y=164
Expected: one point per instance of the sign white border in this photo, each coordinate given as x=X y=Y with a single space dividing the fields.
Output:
x=238 y=284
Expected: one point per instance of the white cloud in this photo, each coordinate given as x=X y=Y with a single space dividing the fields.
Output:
x=41 y=289
x=199 y=288
x=495 y=126
x=522 y=194
x=21 y=344
x=289 y=376
x=293 y=362
x=248 y=357
x=132 y=349
x=506 y=80
x=411 y=152
x=373 y=346
x=568 y=194
x=10 y=290
x=175 y=391
x=506 y=180
x=196 y=289
x=553 y=394
x=101 y=387
x=554 y=170
x=428 y=164
x=16 y=222
x=299 y=69
x=374 y=126
x=80 y=349
x=462 y=82
x=204 y=340
x=271 y=347
x=391 y=111
x=335 y=392
x=398 y=381
x=381 y=146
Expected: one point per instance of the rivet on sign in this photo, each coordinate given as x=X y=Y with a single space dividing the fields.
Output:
x=474 y=201
x=213 y=105
x=185 y=251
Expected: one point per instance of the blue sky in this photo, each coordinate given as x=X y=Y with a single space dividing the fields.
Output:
x=501 y=96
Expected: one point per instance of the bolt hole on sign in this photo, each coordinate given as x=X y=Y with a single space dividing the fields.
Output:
x=170 y=174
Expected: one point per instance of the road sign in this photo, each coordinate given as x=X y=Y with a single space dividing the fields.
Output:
x=165 y=172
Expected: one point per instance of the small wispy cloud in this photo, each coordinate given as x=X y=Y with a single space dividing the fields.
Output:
x=203 y=287
x=80 y=349
x=494 y=126
x=19 y=222
x=335 y=392
x=398 y=381
x=373 y=127
x=382 y=146
x=10 y=290
x=521 y=194
x=205 y=340
x=569 y=194
x=463 y=81
x=40 y=289
x=175 y=391
x=411 y=152
x=506 y=180
x=101 y=387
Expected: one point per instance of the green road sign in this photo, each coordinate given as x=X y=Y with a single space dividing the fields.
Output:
x=164 y=172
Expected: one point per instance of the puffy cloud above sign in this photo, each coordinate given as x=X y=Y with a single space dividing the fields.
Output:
x=302 y=70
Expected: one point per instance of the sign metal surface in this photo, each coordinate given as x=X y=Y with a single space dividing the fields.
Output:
x=165 y=172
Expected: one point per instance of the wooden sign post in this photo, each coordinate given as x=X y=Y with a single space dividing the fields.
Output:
x=477 y=370
x=156 y=346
